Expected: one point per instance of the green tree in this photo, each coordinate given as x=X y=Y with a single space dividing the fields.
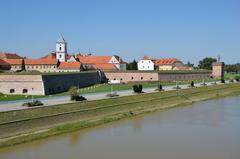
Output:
x=232 y=67
x=23 y=68
x=73 y=92
x=206 y=63
x=190 y=64
x=132 y=65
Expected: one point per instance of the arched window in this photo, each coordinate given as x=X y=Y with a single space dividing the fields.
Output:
x=60 y=48
x=12 y=90
x=24 y=90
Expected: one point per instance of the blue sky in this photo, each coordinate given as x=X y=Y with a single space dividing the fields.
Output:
x=186 y=29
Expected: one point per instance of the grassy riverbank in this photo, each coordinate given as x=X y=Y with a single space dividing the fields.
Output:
x=42 y=122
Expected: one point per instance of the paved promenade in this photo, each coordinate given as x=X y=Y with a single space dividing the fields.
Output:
x=48 y=101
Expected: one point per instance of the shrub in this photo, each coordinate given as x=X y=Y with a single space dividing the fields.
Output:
x=74 y=94
x=33 y=103
x=192 y=84
x=237 y=78
x=137 y=88
x=222 y=81
x=160 y=88
x=78 y=98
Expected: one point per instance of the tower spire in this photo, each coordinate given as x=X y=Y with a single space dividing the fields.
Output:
x=61 y=49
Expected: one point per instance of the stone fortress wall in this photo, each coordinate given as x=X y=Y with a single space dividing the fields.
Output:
x=62 y=82
x=126 y=77
x=46 y=84
x=21 y=84
x=50 y=84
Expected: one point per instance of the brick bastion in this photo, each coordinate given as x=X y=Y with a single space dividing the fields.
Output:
x=46 y=84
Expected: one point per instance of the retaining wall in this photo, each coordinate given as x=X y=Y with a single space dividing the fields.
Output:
x=126 y=77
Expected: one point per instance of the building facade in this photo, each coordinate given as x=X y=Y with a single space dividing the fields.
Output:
x=145 y=65
x=163 y=64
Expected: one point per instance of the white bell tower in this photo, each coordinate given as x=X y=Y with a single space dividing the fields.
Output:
x=61 y=49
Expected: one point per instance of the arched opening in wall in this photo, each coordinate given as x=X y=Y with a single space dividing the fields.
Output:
x=24 y=91
x=12 y=90
x=121 y=79
x=132 y=78
x=60 y=48
x=151 y=78
x=114 y=79
x=141 y=78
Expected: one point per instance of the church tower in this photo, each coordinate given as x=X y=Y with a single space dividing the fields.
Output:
x=61 y=49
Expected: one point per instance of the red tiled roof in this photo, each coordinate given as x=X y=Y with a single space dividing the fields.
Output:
x=40 y=61
x=146 y=58
x=168 y=61
x=50 y=56
x=105 y=66
x=94 y=59
x=69 y=65
x=3 y=63
x=68 y=57
x=9 y=56
x=14 y=61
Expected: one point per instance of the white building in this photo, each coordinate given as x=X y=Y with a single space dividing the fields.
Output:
x=61 y=49
x=145 y=65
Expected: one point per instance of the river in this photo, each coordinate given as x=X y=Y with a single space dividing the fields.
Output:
x=205 y=130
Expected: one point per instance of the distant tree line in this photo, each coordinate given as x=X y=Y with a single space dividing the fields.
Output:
x=234 y=68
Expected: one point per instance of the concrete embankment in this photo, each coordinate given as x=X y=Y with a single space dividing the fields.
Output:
x=26 y=125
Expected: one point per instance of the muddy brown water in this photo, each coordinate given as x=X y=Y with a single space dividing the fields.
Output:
x=205 y=130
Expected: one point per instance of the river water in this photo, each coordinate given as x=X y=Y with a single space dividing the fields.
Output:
x=205 y=130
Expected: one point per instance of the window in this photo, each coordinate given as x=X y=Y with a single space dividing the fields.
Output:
x=24 y=90
x=151 y=78
x=114 y=79
x=60 y=56
x=132 y=78
x=121 y=79
x=141 y=78
x=12 y=90
x=60 y=48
